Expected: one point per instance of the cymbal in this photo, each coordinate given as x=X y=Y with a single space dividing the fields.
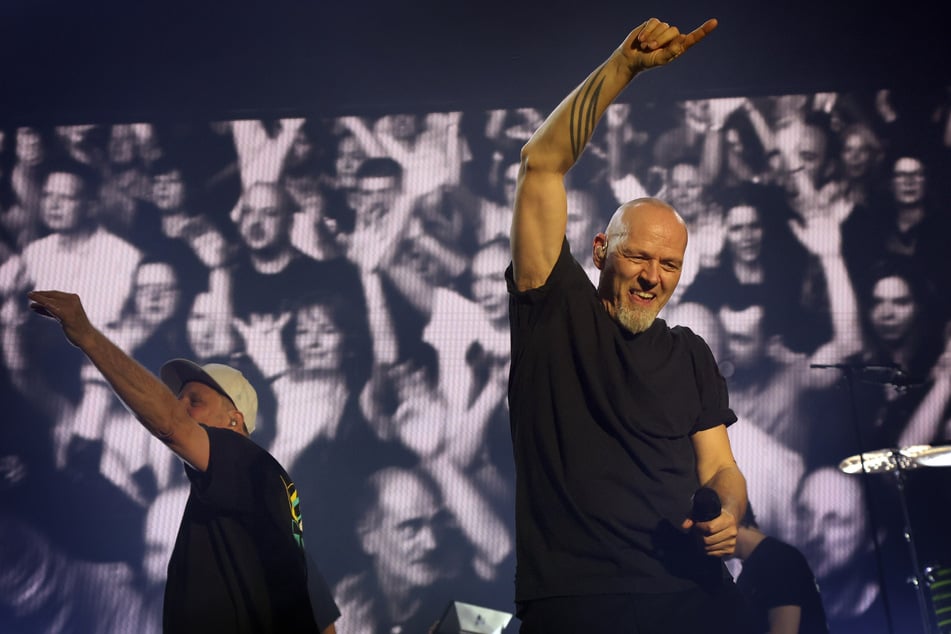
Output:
x=885 y=460
x=934 y=457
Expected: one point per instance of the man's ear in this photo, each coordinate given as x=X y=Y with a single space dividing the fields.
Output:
x=239 y=417
x=368 y=538
x=599 y=250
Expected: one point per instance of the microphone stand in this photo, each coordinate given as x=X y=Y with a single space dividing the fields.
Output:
x=849 y=370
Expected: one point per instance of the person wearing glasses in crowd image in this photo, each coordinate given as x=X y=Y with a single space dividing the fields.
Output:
x=239 y=562
x=150 y=324
x=906 y=223
x=617 y=419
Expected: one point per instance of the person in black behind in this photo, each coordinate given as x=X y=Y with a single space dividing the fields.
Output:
x=239 y=563
x=616 y=418
x=777 y=583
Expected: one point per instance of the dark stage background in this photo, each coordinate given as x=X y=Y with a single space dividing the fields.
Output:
x=807 y=144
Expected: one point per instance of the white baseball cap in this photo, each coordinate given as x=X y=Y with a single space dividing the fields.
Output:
x=220 y=377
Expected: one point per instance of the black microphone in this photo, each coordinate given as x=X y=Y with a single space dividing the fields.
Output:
x=706 y=505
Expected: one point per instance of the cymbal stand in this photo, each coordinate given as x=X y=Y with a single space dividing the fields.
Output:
x=851 y=372
x=902 y=462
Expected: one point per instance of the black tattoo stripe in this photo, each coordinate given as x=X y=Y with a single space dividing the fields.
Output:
x=593 y=110
x=584 y=110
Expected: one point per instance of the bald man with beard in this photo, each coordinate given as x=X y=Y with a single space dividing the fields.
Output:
x=617 y=419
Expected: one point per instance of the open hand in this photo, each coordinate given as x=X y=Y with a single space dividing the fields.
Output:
x=66 y=308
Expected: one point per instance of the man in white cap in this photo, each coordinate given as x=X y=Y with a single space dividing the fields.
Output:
x=239 y=563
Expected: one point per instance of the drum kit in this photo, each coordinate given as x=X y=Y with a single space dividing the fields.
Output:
x=898 y=462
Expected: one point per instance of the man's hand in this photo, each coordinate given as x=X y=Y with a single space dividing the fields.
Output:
x=655 y=43
x=67 y=309
x=718 y=535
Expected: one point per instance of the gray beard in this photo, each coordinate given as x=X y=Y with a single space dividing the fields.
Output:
x=635 y=320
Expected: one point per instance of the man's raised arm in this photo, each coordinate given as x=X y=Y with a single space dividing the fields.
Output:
x=152 y=403
x=540 y=216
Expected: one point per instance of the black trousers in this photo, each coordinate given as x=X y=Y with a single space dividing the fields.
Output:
x=661 y=613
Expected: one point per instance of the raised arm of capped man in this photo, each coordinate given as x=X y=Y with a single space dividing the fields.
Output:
x=540 y=215
x=153 y=404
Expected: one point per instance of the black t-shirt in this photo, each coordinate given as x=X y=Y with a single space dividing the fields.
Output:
x=777 y=574
x=256 y=292
x=601 y=424
x=239 y=563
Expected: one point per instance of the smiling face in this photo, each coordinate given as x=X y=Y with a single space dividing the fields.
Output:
x=641 y=262
x=831 y=514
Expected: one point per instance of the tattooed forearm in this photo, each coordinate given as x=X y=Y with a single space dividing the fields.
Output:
x=584 y=111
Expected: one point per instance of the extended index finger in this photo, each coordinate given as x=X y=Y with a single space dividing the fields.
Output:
x=699 y=33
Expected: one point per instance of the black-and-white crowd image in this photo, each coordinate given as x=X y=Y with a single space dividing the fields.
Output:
x=352 y=268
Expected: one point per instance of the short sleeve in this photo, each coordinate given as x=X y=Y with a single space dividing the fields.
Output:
x=714 y=397
x=526 y=306
x=235 y=463
x=321 y=598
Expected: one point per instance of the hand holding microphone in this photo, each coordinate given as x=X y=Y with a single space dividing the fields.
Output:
x=716 y=527
x=706 y=505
